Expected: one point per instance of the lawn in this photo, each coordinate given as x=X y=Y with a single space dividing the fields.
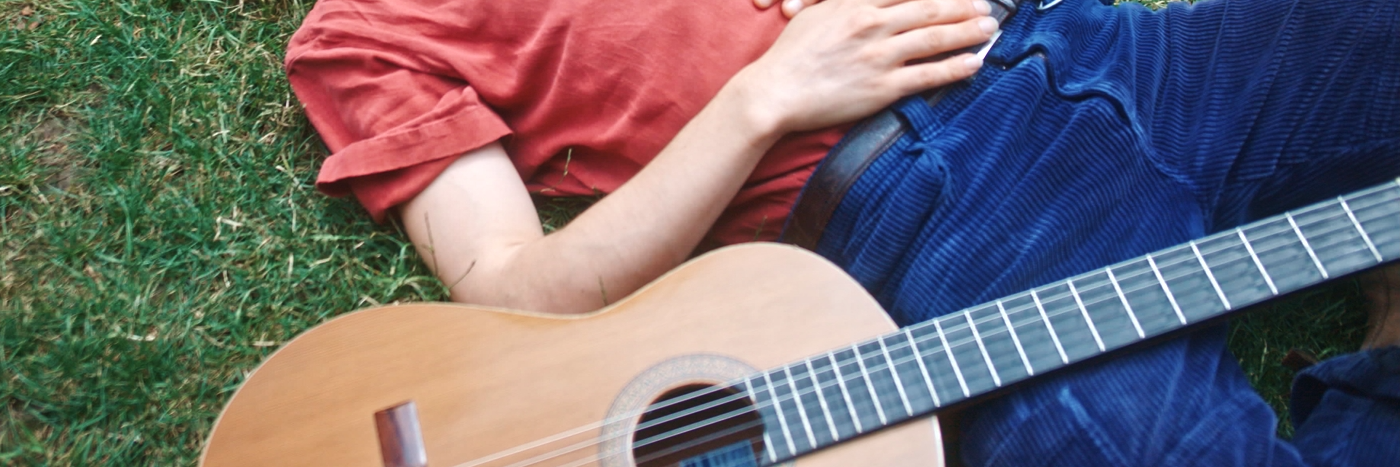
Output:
x=160 y=233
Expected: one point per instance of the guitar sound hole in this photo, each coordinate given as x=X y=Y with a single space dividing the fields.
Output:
x=697 y=426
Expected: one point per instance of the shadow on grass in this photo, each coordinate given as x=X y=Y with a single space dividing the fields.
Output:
x=1326 y=321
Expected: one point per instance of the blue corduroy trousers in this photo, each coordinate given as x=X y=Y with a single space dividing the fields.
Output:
x=1100 y=133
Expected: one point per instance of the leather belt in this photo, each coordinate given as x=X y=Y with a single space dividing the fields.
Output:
x=849 y=159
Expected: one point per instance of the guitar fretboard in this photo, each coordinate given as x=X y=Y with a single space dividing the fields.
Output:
x=955 y=358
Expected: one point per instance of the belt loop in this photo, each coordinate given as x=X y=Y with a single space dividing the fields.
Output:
x=919 y=115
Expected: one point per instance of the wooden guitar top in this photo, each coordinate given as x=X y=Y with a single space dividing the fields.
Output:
x=485 y=381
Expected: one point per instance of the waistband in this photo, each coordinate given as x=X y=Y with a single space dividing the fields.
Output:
x=866 y=141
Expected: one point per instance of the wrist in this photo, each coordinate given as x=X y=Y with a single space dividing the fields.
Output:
x=752 y=111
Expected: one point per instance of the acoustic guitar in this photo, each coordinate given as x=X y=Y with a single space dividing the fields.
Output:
x=750 y=355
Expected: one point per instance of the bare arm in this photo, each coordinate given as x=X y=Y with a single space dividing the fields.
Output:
x=839 y=61
x=482 y=220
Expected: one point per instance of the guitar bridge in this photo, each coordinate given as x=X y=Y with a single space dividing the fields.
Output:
x=400 y=436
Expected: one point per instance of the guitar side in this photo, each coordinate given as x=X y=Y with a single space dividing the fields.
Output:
x=486 y=380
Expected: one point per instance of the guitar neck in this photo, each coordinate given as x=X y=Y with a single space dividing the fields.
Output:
x=961 y=356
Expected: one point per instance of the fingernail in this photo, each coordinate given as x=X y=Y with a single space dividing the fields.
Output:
x=791 y=7
x=988 y=24
x=763 y=3
x=982 y=7
x=973 y=62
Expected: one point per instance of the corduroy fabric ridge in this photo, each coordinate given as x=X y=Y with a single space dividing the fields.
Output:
x=1096 y=134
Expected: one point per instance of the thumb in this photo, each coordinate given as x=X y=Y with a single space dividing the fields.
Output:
x=791 y=7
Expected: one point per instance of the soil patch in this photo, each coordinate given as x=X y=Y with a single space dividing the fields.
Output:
x=59 y=166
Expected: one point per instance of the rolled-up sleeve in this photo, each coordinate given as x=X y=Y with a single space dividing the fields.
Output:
x=391 y=120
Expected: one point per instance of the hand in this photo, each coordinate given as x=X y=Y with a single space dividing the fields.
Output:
x=842 y=60
x=790 y=7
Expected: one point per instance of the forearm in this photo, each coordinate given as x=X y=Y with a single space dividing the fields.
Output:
x=651 y=223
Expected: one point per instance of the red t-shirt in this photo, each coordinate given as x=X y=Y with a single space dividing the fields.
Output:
x=581 y=93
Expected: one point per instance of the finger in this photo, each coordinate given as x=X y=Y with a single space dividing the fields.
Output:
x=887 y=3
x=916 y=14
x=917 y=78
x=791 y=7
x=763 y=4
x=932 y=40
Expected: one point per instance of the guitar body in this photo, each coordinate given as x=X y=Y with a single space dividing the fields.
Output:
x=488 y=381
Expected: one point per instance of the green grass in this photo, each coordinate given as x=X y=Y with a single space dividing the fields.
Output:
x=160 y=234
x=1326 y=321
x=159 y=229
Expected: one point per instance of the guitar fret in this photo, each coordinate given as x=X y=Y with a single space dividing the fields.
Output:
x=1053 y=337
x=1360 y=230
x=841 y=380
x=919 y=357
x=949 y=350
x=1318 y=228
x=1170 y=298
x=801 y=409
x=1085 y=311
x=1124 y=298
x=898 y=385
x=782 y=420
x=1015 y=340
x=767 y=440
x=1260 y=264
x=988 y=358
x=1209 y=275
x=1306 y=246
x=821 y=399
x=874 y=396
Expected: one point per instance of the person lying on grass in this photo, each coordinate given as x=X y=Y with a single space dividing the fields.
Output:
x=1098 y=134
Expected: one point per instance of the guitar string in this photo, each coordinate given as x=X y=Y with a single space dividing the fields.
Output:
x=816 y=386
x=951 y=346
x=796 y=393
x=934 y=350
x=1033 y=321
x=1189 y=260
x=657 y=455
x=683 y=446
x=596 y=457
